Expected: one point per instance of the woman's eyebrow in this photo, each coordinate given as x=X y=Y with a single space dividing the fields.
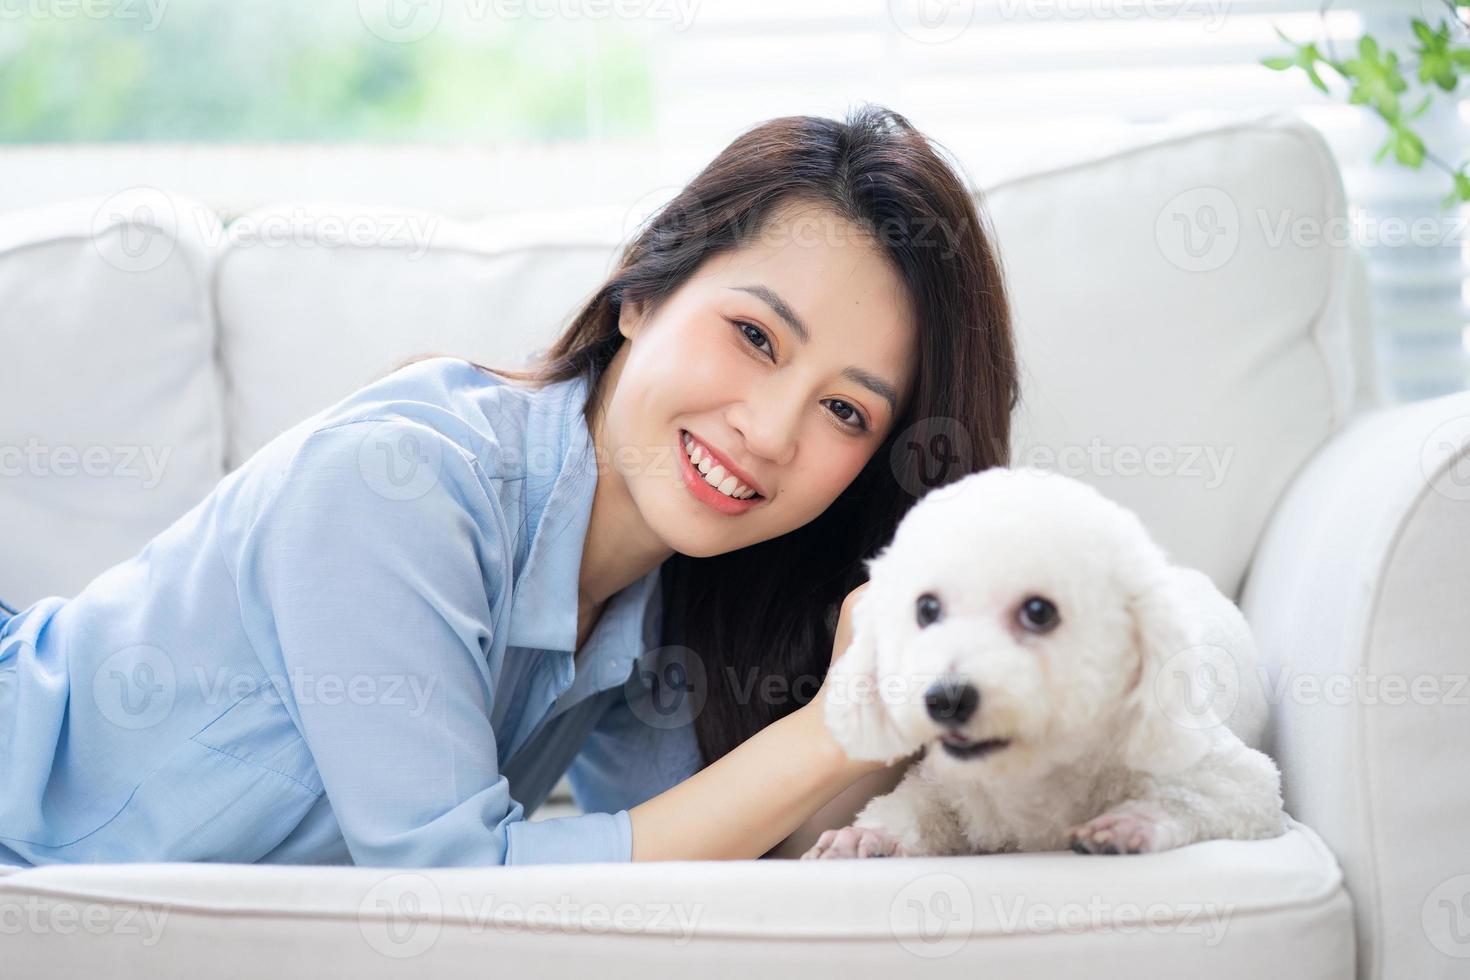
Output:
x=878 y=386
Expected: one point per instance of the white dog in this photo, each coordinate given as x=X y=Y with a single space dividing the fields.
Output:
x=1068 y=685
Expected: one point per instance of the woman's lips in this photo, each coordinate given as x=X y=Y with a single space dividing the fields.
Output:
x=706 y=494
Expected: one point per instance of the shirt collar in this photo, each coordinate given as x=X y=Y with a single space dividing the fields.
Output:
x=558 y=503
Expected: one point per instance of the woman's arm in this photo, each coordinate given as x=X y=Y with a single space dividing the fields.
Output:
x=752 y=798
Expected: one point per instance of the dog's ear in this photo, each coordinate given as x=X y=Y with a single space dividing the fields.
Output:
x=854 y=711
x=1181 y=685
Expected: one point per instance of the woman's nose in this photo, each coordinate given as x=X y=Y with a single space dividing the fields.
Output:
x=769 y=424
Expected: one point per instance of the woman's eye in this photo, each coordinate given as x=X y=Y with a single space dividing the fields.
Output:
x=855 y=420
x=747 y=329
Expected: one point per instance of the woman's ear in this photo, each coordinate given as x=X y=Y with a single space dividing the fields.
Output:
x=630 y=318
x=1182 y=684
x=855 y=712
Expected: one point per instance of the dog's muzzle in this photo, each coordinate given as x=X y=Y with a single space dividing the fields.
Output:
x=952 y=703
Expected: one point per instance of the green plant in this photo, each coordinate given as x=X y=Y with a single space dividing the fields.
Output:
x=1376 y=78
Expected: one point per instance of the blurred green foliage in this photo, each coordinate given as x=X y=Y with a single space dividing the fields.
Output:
x=1375 y=78
x=289 y=70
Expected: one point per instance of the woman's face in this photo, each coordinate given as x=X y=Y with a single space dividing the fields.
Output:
x=780 y=357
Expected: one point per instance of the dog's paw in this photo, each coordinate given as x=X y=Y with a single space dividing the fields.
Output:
x=1129 y=829
x=855 y=842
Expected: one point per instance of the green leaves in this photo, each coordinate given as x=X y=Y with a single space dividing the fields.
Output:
x=1375 y=78
x=1461 y=190
x=1439 y=64
x=1307 y=57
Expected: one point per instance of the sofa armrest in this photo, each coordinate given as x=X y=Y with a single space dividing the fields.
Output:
x=1359 y=598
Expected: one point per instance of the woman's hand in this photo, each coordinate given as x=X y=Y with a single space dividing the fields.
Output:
x=841 y=640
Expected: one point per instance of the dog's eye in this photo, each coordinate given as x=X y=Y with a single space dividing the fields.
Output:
x=1038 y=615
x=927 y=608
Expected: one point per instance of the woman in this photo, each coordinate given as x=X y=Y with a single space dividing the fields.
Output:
x=384 y=637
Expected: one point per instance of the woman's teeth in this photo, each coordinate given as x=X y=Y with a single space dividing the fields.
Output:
x=715 y=476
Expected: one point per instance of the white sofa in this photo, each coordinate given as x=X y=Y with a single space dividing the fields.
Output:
x=1222 y=386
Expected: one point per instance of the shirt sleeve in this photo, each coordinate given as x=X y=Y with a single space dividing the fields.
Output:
x=638 y=749
x=382 y=565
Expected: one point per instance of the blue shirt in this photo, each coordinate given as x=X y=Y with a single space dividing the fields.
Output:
x=357 y=649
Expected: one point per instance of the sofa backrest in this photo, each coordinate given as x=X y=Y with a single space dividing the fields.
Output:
x=1186 y=339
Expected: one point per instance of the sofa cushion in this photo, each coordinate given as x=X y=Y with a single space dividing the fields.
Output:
x=1222 y=909
x=1188 y=334
x=338 y=295
x=110 y=415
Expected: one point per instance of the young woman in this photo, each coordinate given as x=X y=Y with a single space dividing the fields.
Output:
x=384 y=637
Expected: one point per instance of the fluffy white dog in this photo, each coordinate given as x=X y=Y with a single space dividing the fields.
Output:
x=1070 y=687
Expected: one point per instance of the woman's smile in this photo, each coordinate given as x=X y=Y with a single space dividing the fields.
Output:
x=700 y=487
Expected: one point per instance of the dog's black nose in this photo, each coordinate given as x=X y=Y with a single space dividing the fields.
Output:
x=951 y=703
